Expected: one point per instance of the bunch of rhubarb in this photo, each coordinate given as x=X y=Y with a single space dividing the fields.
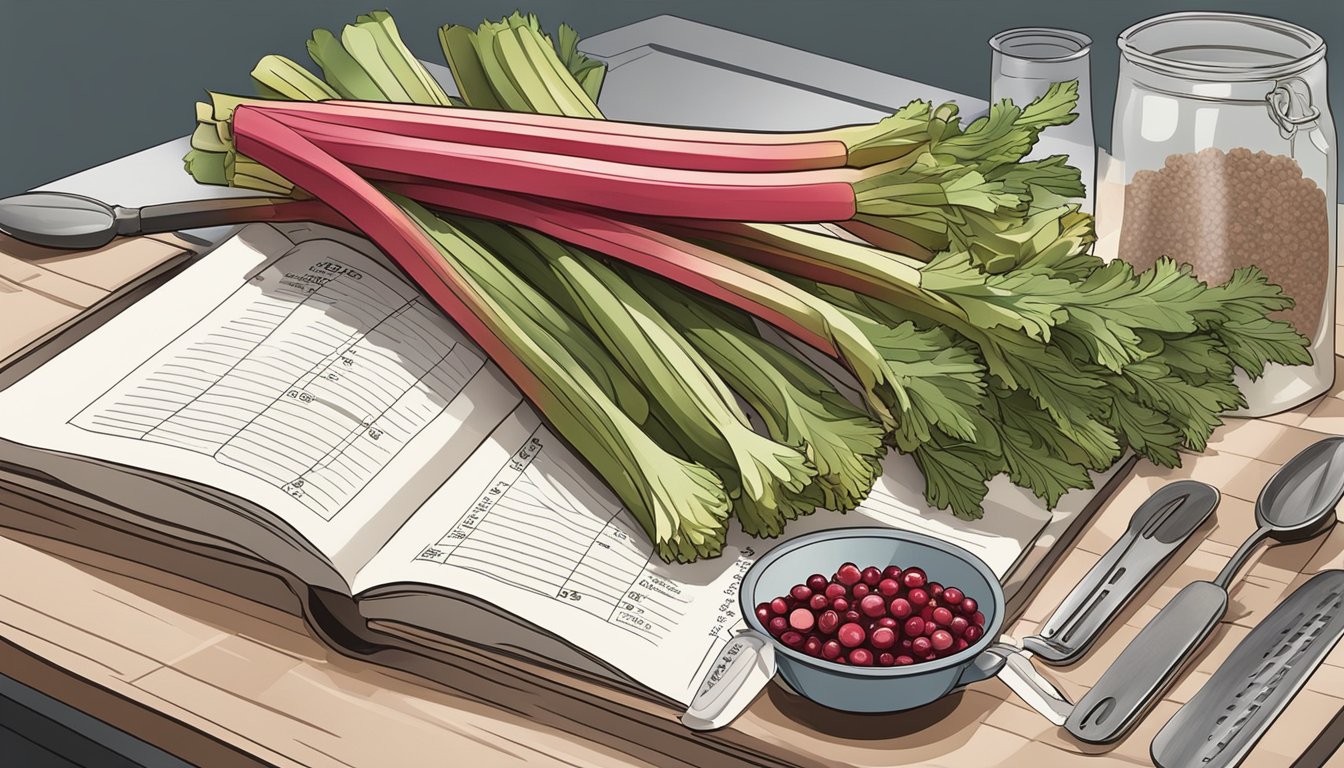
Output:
x=629 y=279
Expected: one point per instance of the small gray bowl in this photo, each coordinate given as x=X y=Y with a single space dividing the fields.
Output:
x=876 y=689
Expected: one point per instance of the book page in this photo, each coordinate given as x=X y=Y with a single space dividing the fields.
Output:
x=305 y=378
x=529 y=528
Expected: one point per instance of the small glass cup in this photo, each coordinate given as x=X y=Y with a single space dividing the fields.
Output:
x=1026 y=62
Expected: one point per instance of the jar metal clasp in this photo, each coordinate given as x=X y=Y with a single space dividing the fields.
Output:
x=1290 y=106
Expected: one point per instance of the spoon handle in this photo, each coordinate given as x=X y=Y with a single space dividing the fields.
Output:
x=194 y=214
x=1148 y=664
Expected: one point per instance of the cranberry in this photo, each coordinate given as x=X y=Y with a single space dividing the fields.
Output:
x=921 y=646
x=812 y=646
x=979 y=619
x=763 y=613
x=891 y=572
x=934 y=589
x=802 y=619
x=883 y=638
x=951 y=596
x=828 y=622
x=904 y=661
x=941 y=640
x=861 y=657
x=839 y=605
x=853 y=617
x=914 y=626
x=817 y=583
x=831 y=649
x=818 y=603
x=961 y=645
x=848 y=574
x=968 y=605
x=888 y=588
x=886 y=660
x=905 y=644
x=913 y=578
x=801 y=593
x=840 y=660
x=779 y=606
x=873 y=606
x=792 y=639
x=851 y=635
x=926 y=613
x=972 y=633
x=871 y=576
x=900 y=608
x=888 y=622
x=778 y=625
x=942 y=616
x=834 y=591
x=917 y=597
x=958 y=625
x=860 y=590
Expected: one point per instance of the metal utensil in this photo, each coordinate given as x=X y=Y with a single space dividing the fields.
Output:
x=1222 y=722
x=1297 y=503
x=63 y=220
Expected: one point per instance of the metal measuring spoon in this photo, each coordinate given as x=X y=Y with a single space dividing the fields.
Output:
x=1297 y=503
x=64 y=220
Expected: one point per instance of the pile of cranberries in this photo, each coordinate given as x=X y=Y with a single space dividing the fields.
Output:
x=874 y=617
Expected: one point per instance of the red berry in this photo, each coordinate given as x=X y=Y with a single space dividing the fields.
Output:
x=934 y=589
x=913 y=578
x=817 y=583
x=968 y=605
x=828 y=622
x=958 y=625
x=779 y=606
x=778 y=625
x=886 y=660
x=860 y=590
x=840 y=660
x=840 y=605
x=888 y=622
x=972 y=633
x=873 y=606
x=871 y=576
x=891 y=572
x=942 y=615
x=918 y=597
x=926 y=613
x=941 y=640
x=852 y=616
x=801 y=593
x=818 y=603
x=979 y=619
x=914 y=626
x=831 y=649
x=861 y=657
x=802 y=619
x=961 y=645
x=851 y=635
x=763 y=613
x=905 y=644
x=849 y=574
x=792 y=639
x=904 y=661
x=900 y=608
x=883 y=638
x=951 y=596
x=921 y=646
x=812 y=646
x=888 y=588
x=836 y=590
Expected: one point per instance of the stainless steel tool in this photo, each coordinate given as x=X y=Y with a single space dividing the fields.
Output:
x=1220 y=724
x=1297 y=503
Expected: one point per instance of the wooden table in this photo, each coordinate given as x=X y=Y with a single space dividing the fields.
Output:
x=219 y=681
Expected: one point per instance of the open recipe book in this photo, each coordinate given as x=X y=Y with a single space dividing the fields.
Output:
x=288 y=400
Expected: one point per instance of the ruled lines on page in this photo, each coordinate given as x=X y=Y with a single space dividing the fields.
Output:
x=311 y=377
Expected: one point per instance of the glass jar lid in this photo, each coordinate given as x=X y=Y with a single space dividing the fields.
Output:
x=1226 y=47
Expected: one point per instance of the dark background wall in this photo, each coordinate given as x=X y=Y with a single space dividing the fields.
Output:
x=83 y=81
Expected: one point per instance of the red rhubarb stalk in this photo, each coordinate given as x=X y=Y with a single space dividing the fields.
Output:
x=799 y=196
x=696 y=151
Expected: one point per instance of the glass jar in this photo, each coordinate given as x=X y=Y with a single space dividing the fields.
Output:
x=1225 y=148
